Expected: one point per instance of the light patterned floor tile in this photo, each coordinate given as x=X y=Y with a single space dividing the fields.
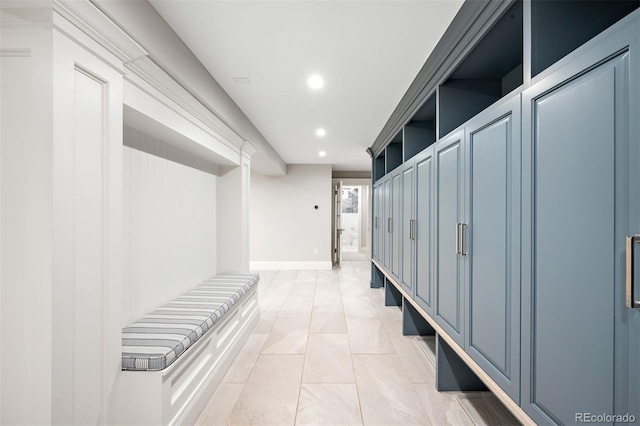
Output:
x=267 y=319
x=220 y=406
x=295 y=305
x=328 y=404
x=358 y=307
x=270 y=396
x=328 y=296
x=367 y=336
x=303 y=288
x=386 y=394
x=328 y=359
x=328 y=319
x=442 y=408
x=307 y=276
x=414 y=360
x=246 y=359
x=288 y=336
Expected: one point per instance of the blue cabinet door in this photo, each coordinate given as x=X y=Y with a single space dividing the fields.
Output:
x=396 y=218
x=449 y=156
x=492 y=337
x=377 y=222
x=406 y=225
x=374 y=218
x=423 y=229
x=381 y=224
x=386 y=223
x=577 y=334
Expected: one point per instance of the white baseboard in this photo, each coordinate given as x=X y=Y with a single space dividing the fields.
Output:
x=293 y=265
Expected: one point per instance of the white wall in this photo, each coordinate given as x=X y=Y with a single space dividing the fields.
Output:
x=169 y=223
x=285 y=226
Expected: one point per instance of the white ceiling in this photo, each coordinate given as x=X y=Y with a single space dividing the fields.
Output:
x=367 y=51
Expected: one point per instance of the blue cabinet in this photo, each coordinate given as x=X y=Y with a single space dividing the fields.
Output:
x=378 y=213
x=417 y=213
x=492 y=243
x=449 y=235
x=386 y=221
x=396 y=218
x=406 y=225
x=580 y=200
x=423 y=229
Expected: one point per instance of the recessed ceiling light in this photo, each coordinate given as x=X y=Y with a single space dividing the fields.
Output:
x=315 y=82
x=322 y=154
x=321 y=132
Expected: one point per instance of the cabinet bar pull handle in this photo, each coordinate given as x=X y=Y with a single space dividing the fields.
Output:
x=457 y=238
x=389 y=225
x=631 y=242
x=411 y=229
x=376 y=222
x=462 y=241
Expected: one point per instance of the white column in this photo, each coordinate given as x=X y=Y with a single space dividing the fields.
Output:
x=26 y=215
x=233 y=193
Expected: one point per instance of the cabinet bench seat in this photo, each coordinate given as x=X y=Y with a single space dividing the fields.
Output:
x=174 y=358
x=155 y=341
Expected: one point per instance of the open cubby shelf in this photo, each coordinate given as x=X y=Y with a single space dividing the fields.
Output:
x=420 y=132
x=378 y=167
x=555 y=31
x=394 y=153
x=492 y=69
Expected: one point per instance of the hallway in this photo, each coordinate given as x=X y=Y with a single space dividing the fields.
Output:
x=327 y=351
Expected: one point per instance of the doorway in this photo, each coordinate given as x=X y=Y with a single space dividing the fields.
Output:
x=350 y=223
x=351 y=218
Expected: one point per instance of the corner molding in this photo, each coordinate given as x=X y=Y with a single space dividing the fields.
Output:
x=247 y=150
x=94 y=23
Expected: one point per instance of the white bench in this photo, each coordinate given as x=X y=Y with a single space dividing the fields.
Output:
x=174 y=358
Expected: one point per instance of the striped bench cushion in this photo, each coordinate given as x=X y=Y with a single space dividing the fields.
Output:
x=153 y=342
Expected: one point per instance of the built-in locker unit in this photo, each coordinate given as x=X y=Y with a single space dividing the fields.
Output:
x=518 y=200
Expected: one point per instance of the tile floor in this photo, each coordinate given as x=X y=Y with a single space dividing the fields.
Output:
x=328 y=352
